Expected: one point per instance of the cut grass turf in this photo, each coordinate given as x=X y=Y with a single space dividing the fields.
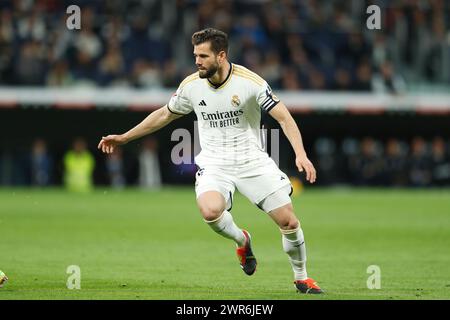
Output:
x=137 y=244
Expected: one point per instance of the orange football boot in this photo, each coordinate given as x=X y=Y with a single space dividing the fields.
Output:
x=307 y=286
x=245 y=255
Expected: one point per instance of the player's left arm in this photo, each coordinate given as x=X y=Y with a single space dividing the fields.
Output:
x=280 y=113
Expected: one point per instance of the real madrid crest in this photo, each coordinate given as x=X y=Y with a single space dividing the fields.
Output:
x=235 y=101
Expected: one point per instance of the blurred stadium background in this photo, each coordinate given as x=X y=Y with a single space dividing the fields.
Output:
x=373 y=107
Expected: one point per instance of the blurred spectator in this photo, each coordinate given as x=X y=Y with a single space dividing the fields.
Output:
x=115 y=29
x=342 y=79
x=354 y=49
x=149 y=169
x=363 y=81
x=388 y=81
x=141 y=44
x=6 y=48
x=317 y=80
x=290 y=80
x=370 y=162
x=78 y=167
x=395 y=160
x=115 y=169
x=145 y=75
x=419 y=167
x=59 y=75
x=271 y=69
x=379 y=50
x=111 y=66
x=6 y=26
x=41 y=164
x=30 y=66
x=32 y=25
x=170 y=76
x=440 y=162
x=87 y=40
x=350 y=150
x=327 y=160
x=249 y=32
x=436 y=52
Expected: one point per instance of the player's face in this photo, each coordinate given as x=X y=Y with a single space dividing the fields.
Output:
x=206 y=60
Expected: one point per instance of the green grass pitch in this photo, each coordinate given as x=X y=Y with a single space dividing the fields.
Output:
x=137 y=244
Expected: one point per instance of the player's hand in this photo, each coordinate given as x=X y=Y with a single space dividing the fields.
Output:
x=109 y=143
x=304 y=164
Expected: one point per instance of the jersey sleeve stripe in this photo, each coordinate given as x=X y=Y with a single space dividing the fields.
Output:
x=193 y=75
x=188 y=79
x=238 y=73
x=251 y=73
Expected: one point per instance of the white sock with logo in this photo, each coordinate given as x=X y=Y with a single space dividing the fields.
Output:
x=225 y=226
x=294 y=246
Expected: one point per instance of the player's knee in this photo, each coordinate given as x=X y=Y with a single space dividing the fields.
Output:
x=211 y=205
x=211 y=212
x=290 y=221
x=290 y=224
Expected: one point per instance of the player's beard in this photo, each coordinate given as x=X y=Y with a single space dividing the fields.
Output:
x=209 y=72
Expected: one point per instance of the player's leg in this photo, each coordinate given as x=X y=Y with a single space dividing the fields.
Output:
x=214 y=198
x=269 y=188
x=292 y=237
x=212 y=206
x=279 y=207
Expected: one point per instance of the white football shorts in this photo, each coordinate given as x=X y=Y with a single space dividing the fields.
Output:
x=264 y=185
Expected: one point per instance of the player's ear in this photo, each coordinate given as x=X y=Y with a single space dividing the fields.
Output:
x=221 y=56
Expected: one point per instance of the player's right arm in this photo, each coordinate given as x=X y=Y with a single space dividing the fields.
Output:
x=153 y=122
x=178 y=106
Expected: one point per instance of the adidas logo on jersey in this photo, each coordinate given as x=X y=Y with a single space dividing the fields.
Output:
x=202 y=103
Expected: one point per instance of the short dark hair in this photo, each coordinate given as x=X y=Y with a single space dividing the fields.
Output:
x=217 y=38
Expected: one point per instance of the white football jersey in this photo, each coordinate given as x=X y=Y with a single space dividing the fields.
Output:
x=229 y=116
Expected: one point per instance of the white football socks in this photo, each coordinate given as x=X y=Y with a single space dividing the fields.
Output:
x=225 y=226
x=294 y=246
